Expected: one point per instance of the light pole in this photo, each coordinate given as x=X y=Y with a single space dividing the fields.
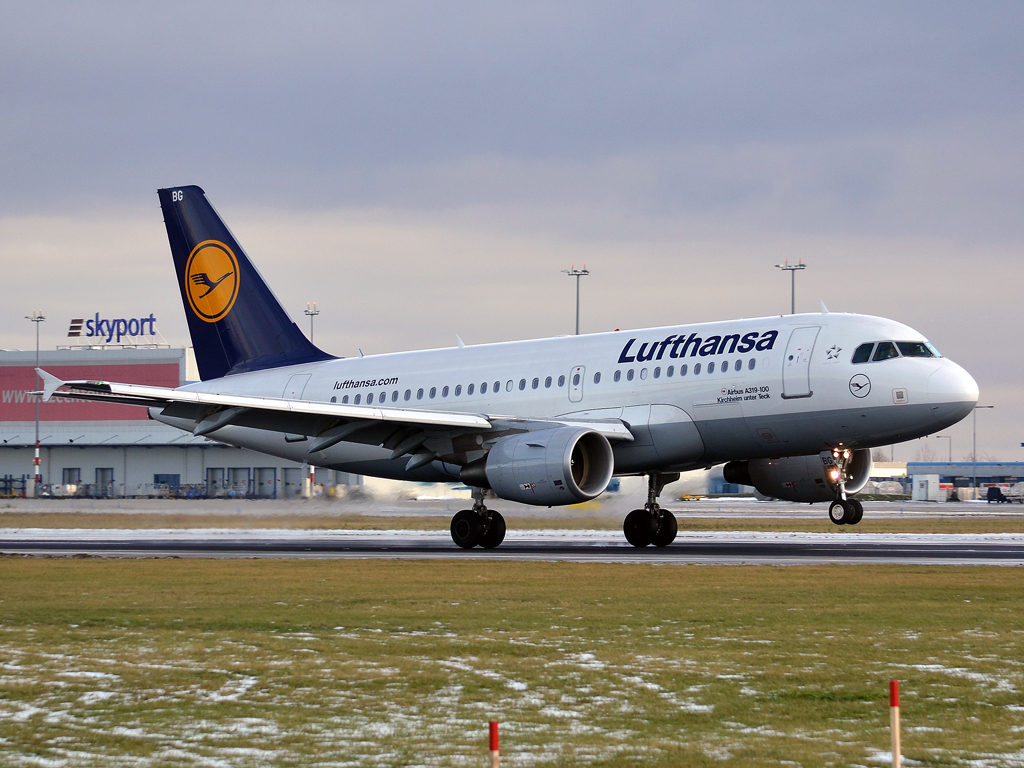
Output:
x=974 y=456
x=947 y=437
x=311 y=313
x=577 y=273
x=37 y=317
x=792 y=269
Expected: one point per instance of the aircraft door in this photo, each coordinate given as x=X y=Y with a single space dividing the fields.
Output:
x=576 y=384
x=796 y=367
x=296 y=384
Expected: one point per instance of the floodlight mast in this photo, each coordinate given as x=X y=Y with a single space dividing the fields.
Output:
x=37 y=317
x=577 y=273
x=311 y=313
x=792 y=269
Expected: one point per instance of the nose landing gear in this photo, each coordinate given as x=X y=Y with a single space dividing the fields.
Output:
x=479 y=525
x=844 y=510
x=652 y=524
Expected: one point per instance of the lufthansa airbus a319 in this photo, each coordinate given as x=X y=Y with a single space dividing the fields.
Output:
x=791 y=405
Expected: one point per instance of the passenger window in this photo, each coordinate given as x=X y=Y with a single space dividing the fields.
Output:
x=863 y=353
x=682 y=370
x=751 y=364
x=444 y=391
x=508 y=385
x=885 y=351
x=536 y=383
x=914 y=349
x=643 y=373
x=458 y=390
x=725 y=366
x=344 y=400
x=469 y=390
x=334 y=399
x=419 y=393
x=357 y=400
x=657 y=373
x=711 y=367
x=597 y=377
x=408 y=394
x=369 y=398
x=617 y=376
x=576 y=380
x=496 y=388
x=561 y=381
x=383 y=397
x=696 y=369
x=433 y=392
x=522 y=384
x=483 y=388
x=547 y=383
x=669 y=371
x=394 y=396
x=629 y=375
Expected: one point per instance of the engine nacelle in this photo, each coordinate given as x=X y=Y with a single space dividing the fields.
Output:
x=564 y=465
x=800 y=478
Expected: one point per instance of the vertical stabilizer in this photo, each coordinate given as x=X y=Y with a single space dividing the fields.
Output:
x=235 y=321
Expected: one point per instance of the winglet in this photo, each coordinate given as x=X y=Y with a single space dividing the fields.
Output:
x=824 y=309
x=50 y=384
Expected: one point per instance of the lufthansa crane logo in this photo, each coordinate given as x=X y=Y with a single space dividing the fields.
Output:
x=860 y=385
x=211 y=280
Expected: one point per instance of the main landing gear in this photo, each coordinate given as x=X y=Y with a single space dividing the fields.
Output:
x=844 y=510
x=652 y=524
x=479 y=525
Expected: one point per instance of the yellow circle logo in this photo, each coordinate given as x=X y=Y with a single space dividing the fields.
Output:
x=211 y=280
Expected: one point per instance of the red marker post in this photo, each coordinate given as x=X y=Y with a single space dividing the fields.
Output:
x=894 y=720
x=494 y=744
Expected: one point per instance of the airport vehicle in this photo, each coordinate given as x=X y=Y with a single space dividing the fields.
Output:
x=791 y=405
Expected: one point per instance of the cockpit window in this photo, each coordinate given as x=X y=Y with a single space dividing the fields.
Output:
x=885 y=350
x=915 y=349
x=863 y=353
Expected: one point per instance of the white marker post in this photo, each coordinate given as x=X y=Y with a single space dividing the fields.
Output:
x=894 y=720
x=494 y=744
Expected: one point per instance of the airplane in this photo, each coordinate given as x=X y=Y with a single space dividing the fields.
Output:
x=791 y=405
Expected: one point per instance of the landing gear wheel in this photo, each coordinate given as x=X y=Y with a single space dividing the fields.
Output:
x=640 y=526
x=495 y=533
x=839 y=512
x=858 y=511
x=667 y=530
x=467 y=528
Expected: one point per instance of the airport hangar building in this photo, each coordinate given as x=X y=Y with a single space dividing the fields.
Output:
x=102 y=449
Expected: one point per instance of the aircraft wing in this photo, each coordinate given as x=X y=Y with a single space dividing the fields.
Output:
x=401 y=430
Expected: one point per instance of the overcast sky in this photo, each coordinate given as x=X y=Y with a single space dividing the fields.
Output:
x=422 y=169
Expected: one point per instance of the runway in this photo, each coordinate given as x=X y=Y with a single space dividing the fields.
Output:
x=546 y=545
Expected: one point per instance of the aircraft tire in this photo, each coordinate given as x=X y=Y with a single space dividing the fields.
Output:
x=839 y=512
x=667 y=531
x=639 y=527
x=858 y=511
x=495 y=533
x=466 y=528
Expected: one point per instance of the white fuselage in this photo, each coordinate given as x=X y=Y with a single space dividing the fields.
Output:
x=765 y=387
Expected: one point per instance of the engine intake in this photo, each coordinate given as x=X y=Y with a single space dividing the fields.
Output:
x=564 y=465
x=800 y=478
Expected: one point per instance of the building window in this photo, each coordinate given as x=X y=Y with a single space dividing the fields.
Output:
x=72 y=475
x=617 y=375
x=458 y=390
x=535 y=383
x=171 y=481
x=597 y=377
x=629 y=375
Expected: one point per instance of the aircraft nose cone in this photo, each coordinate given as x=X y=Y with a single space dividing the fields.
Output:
x=952 y=392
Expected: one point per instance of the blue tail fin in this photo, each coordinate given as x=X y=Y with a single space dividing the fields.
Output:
x=235 y=322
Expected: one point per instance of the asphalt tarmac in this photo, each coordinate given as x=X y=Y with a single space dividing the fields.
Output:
x=550 y=545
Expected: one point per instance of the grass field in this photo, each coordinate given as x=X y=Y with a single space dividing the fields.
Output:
x=578 y=521
x=289 y=663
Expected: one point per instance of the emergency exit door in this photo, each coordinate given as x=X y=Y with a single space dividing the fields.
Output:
x=796 y=367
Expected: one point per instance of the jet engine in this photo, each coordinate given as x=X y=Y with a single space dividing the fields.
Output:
x=801 y=478
x=564 y=465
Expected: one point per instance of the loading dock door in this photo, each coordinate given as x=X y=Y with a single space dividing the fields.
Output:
x=796 y=367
